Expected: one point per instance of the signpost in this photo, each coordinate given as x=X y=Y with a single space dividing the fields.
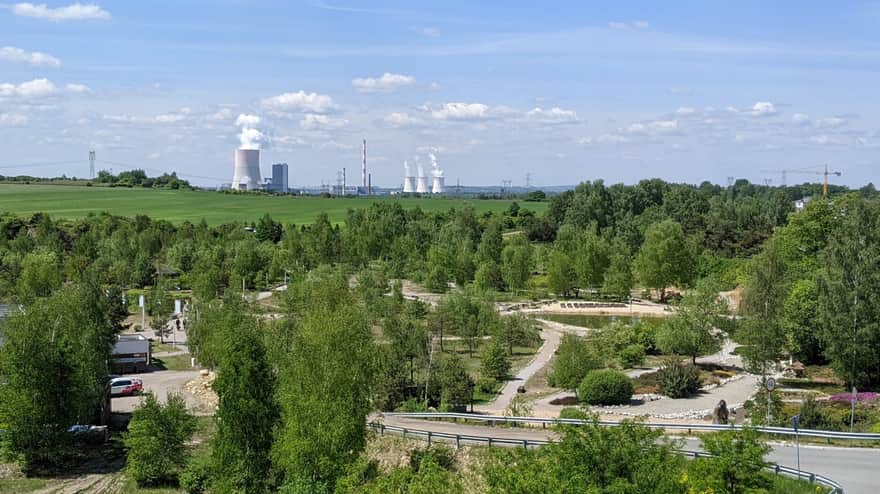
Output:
x=770 y=384
x=796 y=425
x=142 y=305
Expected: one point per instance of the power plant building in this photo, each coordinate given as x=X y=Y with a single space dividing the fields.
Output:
x=246 y=171
x=279 y=181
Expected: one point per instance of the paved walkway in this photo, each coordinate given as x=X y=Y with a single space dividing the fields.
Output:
x=550 y=337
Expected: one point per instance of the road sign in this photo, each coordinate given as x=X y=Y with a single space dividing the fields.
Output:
x=140 y=300
x=770 y=384
x=796 y=422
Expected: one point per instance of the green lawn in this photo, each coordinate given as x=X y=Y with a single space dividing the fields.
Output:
x=61 y=201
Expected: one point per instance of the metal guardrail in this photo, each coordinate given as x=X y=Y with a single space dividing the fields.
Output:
x=785 y=431
x=460 y=439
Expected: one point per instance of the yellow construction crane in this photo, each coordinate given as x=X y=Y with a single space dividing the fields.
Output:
x=808 y=171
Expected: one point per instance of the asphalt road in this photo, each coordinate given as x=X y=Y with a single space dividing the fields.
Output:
x=854 y=468
x=159 y=383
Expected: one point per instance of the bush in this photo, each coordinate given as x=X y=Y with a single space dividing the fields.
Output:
x=195 y=477
x=573 y=413
x=574 y=359
x=678 y=380
x=441 y=456
x=155 y=440
x=412 y=405
x=606 y=387
x=487 y=385
x=632 y=356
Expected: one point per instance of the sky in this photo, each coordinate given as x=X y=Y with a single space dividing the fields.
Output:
x=561 y=91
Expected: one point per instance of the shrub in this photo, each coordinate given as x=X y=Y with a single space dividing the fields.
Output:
x=678 y=380
x=632 y=356
x=195 y=477
x=573 y=413
x=441 y=456
x=605 y=387
x=811 y=415
x=574 y=359
x=487 y=385
x=412 y=405
x=155 y=440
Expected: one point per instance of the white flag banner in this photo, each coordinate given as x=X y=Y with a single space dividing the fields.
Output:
x=140 y=301
x=177 y=306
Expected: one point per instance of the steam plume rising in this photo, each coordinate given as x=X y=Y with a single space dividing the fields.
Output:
x=250 y=137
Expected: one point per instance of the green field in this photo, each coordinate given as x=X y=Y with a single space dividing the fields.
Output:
x=61 y=201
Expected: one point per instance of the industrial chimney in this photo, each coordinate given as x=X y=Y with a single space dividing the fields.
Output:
x=364 y=167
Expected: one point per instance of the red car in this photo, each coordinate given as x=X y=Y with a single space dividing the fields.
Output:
x=123 y=386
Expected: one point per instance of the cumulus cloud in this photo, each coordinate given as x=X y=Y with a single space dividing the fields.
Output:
x=386 y=83
x=653 y=127
x=312 y=121
x=73 y=12
x=36 y=88
x=763 y=108
x=12 y=119
x=244 y=120
x=220 y=115
x=461 y=111
x=553 y=115
x=401 y=119
x=299 y=102
x=18 y=55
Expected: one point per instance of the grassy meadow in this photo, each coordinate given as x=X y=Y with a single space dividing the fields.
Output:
x=70 y=202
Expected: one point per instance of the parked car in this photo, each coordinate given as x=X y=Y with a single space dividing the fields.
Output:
x=124 y=386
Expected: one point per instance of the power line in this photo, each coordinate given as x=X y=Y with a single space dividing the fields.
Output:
x=42 y=164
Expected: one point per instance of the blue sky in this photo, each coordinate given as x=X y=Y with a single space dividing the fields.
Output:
x=565 y=91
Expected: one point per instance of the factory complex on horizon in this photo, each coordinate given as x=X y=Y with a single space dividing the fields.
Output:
x=247 y=176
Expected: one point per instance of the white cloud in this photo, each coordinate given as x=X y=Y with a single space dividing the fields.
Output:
x=245 y=120
x=653 y=127
x=826 y=140
x=831 y=122
x=77 y=88
x=73 y=12
x=12 y=119
x=13 y=54
x=461 y=111
x=763 y=108
x=685 y=110
x=801 y=119
x=553 y=115
x=386 y=83
x=36 y=88
x=299 y=102
x=401 y=119
x=431 y=32
x=169 y=118
x=641 y=24
x=222 y=114
x=312 y=121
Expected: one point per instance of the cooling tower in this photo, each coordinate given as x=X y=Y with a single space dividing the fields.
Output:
x=422 y=185
x=409 y=184
x=246 y=175
x=437 y=187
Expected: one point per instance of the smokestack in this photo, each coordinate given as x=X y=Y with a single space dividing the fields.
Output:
x=369 y=184
x=364 y=167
